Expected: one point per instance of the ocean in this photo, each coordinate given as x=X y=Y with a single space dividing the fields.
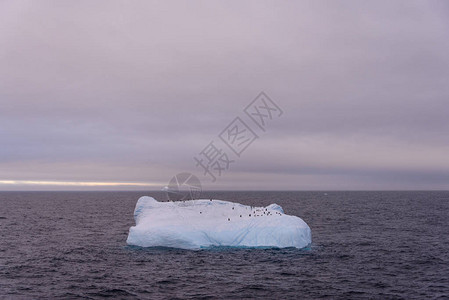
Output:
x=365 y=245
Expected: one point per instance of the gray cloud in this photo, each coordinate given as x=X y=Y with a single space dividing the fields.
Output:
x=114 y=91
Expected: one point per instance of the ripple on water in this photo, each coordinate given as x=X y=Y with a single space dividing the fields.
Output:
x=377 y=245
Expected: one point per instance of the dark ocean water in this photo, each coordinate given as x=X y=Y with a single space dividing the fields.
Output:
x=373 y=245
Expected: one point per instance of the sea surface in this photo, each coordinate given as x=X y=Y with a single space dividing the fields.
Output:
x=365 y=245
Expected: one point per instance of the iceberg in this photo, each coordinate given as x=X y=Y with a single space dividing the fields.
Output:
x=196 y=224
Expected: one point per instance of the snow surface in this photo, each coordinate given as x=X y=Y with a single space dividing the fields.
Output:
x=198 y=224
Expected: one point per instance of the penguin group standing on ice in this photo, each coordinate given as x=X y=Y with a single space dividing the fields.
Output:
x=255 y=212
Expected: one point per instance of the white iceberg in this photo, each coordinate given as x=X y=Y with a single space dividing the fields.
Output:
x=198 y=224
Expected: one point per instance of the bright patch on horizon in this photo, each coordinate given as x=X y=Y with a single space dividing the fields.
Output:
x=74 y=183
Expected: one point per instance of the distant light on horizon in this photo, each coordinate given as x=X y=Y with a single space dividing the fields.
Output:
x=75 y=183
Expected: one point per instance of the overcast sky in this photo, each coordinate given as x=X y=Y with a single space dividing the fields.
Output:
x=108 y=92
